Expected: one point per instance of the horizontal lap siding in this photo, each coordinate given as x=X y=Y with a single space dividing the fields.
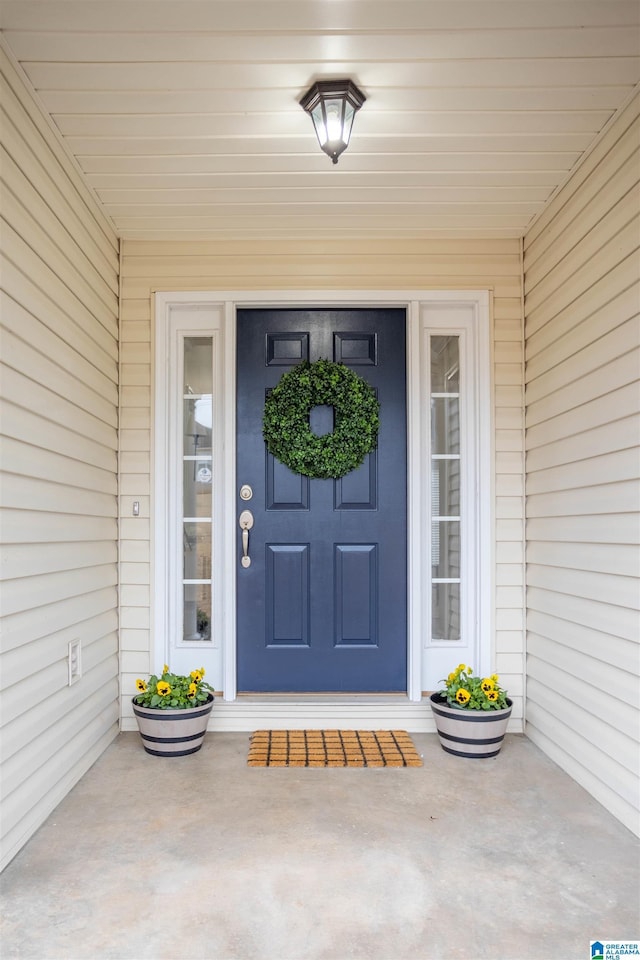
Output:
x=59 y=395
x=356 y=265
x=582 y=294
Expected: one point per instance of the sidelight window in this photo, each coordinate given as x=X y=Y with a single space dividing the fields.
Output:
x=189 y=485
x=197 y=476
x=446 y=541
x=456 y=516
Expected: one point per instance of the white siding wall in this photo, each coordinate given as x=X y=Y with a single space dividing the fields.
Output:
x=59 y=342
x=356 y=265
x=582 y=367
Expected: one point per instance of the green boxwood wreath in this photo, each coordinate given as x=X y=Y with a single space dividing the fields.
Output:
x=286 y=427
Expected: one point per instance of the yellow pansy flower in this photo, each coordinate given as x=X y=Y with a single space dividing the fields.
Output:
x=463 y=696
x=487 y=685
x=193 y=689
x=141 y=686
x=163 y=688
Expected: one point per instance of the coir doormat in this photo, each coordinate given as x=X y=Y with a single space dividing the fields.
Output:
x=332 y=748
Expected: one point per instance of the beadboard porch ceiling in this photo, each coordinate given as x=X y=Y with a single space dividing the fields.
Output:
x=183 y=115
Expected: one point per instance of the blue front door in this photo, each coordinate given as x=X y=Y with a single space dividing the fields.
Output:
x=322 y=605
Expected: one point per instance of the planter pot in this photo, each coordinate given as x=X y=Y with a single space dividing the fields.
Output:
x=172 y=733
x=469 y=733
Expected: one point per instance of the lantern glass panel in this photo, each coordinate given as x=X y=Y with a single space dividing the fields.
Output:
x=334 y=119
x=317 y=115
x=349 y=114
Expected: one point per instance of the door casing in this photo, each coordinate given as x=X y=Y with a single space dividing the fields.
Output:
x=422 y=308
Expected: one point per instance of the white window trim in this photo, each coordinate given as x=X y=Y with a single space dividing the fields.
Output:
x=181 y=320
x=423 y=308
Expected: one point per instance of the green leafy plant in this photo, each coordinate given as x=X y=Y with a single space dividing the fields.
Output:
x=202 y=621
x=468 y=692
x=172 y=691
x=286 y=428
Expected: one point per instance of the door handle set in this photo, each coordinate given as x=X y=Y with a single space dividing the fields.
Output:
x=246 y=522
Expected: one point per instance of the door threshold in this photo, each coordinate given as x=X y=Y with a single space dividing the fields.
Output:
x=318 y=711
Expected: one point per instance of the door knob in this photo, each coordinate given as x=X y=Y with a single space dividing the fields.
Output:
x=246 y=522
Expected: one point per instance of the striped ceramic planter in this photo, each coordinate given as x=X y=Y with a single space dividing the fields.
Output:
x=173 y=733
x=469 y=733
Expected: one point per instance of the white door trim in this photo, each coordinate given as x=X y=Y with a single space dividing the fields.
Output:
x=421 y=307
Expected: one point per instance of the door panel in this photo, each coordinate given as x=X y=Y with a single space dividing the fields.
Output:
x=287 y=594
x=356 y=594
x=322 y=606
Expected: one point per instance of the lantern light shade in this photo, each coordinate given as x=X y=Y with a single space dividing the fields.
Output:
x=333 y=105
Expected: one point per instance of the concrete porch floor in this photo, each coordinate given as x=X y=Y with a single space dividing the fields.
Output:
x=203 y=857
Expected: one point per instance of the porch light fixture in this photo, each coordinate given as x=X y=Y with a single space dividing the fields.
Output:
x=333 y=105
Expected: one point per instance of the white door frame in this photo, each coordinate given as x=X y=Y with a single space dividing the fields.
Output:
x=467 y=312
